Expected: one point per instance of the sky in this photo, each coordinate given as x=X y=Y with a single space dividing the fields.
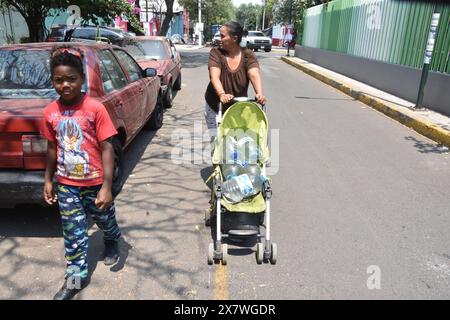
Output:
x=237 y=3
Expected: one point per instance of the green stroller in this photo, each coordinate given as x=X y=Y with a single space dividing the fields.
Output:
x=251 y=216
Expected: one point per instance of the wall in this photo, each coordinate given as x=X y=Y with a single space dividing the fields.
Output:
x=401 y=81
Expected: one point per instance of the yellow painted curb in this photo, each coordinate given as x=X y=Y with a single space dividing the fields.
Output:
x=421 y=126
x=221 y=283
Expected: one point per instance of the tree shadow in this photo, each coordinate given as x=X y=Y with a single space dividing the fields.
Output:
x=427 y=147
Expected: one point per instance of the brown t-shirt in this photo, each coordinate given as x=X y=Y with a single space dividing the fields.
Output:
x=234 y=82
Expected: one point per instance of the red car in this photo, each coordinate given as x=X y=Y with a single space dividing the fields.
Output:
x=132 y=96
x=161 y=54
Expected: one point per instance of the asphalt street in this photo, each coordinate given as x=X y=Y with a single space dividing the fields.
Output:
x=360 y=208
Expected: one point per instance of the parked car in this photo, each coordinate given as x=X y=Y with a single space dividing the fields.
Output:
x=216 y=39
x=257 y=40
x=159 y=53
x=131 y=95
x=177 y=39
x=113 y=35
x=57 y=33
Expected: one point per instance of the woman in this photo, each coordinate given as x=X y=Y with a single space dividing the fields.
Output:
x=231 y=68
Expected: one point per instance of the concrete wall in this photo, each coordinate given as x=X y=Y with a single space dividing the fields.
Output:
x=398 y=80
x=12 y=26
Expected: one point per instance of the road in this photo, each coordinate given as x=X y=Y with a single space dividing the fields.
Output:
x=354 y=192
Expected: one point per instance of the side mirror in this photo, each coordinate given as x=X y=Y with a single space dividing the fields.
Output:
x=150 y=72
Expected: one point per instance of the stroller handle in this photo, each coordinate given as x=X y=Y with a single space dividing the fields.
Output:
x=242 y=99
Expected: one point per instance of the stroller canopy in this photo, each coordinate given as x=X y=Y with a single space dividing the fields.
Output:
x=243 y=118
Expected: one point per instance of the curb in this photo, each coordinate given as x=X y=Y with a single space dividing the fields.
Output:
x=421 y=126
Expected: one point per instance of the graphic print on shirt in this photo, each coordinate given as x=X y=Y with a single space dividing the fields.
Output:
x=73 y=162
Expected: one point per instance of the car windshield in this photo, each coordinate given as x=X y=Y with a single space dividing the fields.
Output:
x=153 y=49
x=256 y=34
x=26 y=74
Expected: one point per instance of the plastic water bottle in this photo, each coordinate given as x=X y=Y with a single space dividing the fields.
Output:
x=242 y=186
x=248 y=151
x=230 y=171
x=231 y=151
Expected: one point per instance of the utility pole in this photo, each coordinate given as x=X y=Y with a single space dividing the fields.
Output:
x=199 y=22
x=432 y=35
x=264 y=13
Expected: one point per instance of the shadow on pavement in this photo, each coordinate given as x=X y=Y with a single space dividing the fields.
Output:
x=427 y=147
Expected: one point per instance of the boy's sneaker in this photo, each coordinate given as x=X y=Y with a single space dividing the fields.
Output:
x=111 y=252
x=67 y=293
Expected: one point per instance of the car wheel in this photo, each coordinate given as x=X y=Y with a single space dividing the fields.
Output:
x=267 y=50
x=156 y=119
x=168 y=97
x=177 y=84
x=256 y=49
x=118 y=167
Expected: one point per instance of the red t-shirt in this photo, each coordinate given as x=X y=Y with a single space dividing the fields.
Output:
x=78 y=131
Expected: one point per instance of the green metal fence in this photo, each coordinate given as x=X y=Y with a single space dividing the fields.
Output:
x=392 y=31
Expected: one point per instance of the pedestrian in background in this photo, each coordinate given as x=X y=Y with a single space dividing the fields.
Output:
x=79 y=130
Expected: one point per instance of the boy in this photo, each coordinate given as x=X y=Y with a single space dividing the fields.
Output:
x=79 y=130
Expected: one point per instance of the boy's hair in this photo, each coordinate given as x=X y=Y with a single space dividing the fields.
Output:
x=67 y=55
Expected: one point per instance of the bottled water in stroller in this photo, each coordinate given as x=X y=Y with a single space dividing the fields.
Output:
x=237 y=188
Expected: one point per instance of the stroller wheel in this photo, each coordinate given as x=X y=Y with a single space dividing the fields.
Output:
x=211 y=254
x=224 y=254
x=259 y=253
x=273 y=253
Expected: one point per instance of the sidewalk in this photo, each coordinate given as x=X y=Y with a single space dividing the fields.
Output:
x=431 y=124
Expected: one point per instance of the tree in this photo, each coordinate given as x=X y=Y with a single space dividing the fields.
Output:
x=249 y=16
x=35 y=12
x=213 y=12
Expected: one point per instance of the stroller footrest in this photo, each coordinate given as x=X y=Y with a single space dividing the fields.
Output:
x=242 y=233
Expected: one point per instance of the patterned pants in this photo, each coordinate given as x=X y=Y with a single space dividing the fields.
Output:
x=74 y=205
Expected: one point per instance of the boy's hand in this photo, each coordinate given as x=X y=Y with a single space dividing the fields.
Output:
x=49 y=194
x=104 y=199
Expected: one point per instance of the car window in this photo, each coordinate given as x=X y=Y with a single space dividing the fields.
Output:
x=135 y=49
x=154 y=49
x=57 y=32
x=133 y=69
x=112 y=74
x=109 y=34
x=256 y=34
x=84 y=33
x=25 y=74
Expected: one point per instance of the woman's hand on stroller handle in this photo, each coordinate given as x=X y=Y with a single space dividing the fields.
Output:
x=261 y=100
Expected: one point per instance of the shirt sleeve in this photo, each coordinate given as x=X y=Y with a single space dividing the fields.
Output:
x=252 y=62
x=104 y=126
x=214 y=58
x=47 y=129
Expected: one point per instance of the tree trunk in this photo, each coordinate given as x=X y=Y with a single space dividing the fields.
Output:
x=166 y=23
x=35 y=29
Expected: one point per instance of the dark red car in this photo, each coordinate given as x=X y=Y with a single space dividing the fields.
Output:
x=132 y=96
x=161 y=54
